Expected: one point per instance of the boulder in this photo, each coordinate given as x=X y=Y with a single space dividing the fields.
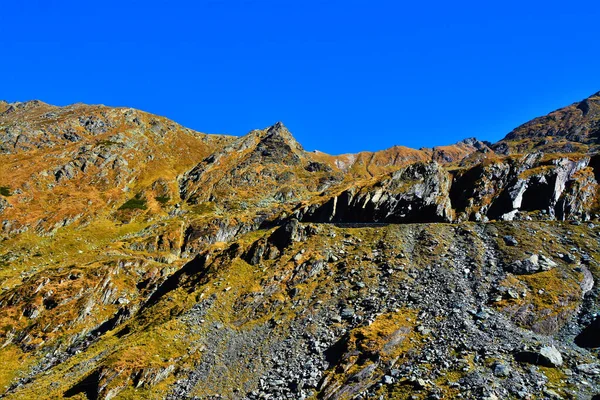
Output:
x=547 y=356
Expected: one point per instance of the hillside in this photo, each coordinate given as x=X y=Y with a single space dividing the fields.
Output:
x=141 y=259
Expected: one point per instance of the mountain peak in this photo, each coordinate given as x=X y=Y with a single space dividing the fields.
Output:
x=279 y=129
x=279 y=134
x=474 y=142
x=278 y=126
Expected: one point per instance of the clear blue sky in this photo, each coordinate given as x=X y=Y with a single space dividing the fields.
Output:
x=343 y=75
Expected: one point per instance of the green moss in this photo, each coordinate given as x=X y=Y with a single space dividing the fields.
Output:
x=5 y=191
x=204 y=208
x=106 y=143
x=162 y=199
x=556 y=377
x=133 y=204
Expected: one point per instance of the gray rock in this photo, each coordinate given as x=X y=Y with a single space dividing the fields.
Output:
x=587 y=282
x=510 y=240
x=552 y=354
x=347 y=313
x=589 y=369
x=501 y=370
x=527 y=266
x=546 y=263
x=547 y=356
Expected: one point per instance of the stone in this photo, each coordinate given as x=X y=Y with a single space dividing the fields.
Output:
x=501 y=370
x=552 y=394
x=547 y=356
x=552 y=354
x=587 y=281
x=546 y=263
x=424 y=289
x=589 y=369
x=347 y=313
x=510 y=240
x=491 y=396
x=482 y=315
x=526 y=266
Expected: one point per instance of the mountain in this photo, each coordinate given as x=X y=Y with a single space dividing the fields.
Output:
x=571 y=129
x=142 y=259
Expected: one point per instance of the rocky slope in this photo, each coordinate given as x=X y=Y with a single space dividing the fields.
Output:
x=141 y=259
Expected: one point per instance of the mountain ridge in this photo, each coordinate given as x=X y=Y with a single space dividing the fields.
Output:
x=28 y=106
x=515 y=134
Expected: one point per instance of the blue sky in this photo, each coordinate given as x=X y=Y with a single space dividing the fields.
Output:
x=344 y=76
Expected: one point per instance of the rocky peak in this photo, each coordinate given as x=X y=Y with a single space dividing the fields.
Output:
x=276 y=145
x=474 y=142
x=280 y=134
x=278 y=129
x=27 y=105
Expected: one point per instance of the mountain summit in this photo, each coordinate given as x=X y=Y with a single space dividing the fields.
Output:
x=142 y=259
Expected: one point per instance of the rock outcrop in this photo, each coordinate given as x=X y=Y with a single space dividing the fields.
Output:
x=417 y=193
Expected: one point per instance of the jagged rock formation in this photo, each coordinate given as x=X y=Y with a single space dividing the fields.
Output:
x=140 y=259
x=417 y=193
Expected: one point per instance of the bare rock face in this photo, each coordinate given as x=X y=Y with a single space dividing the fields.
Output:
x=561 y=188
x=418 y=193
x=558 y=188
x=140 y=259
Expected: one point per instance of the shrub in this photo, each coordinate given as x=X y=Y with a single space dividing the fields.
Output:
x=134 y=204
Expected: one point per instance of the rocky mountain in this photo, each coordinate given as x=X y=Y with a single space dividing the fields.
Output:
x=567 y=130
x=142 y=259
